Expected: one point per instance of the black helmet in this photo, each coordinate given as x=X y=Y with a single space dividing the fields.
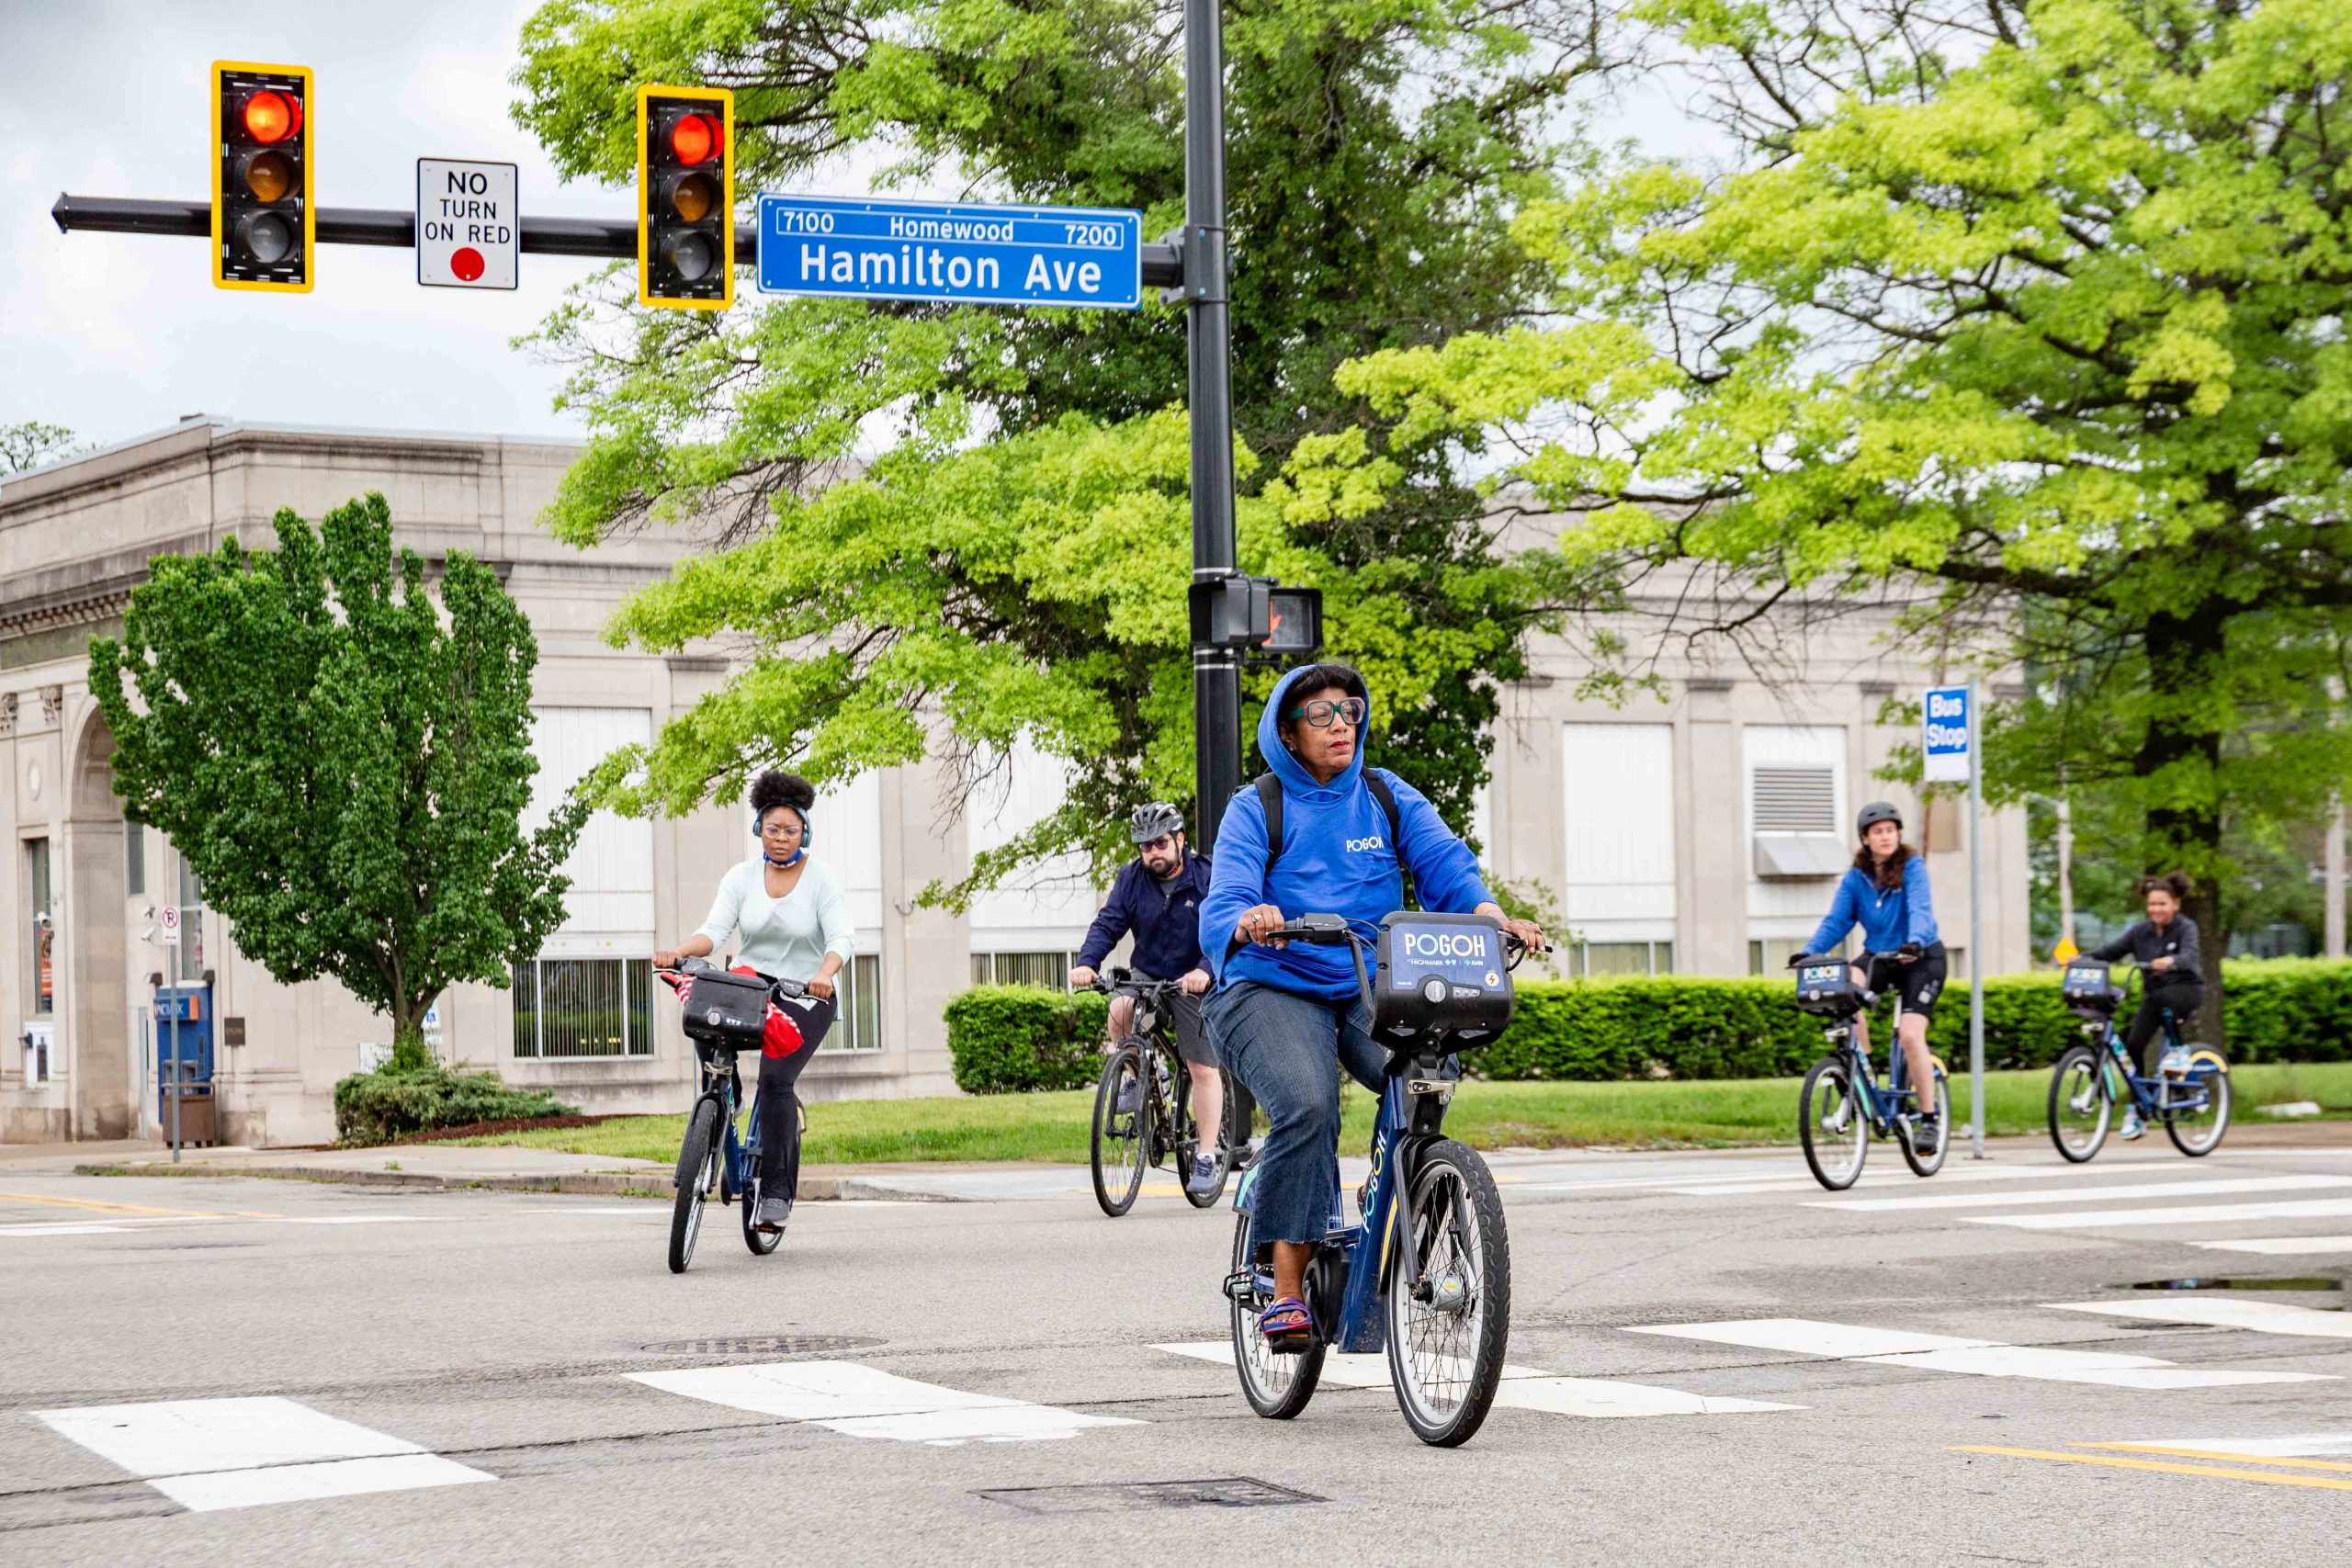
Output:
x=1151 y=821
x=1876 y=812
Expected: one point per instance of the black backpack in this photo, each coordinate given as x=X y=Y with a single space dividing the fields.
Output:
x=1270 y=799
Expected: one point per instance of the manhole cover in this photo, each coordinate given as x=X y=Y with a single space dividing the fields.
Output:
x=2272 y=1282
x=764 y=1345
x=1222 y=1492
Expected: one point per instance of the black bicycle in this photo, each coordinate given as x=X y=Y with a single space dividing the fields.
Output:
x=725 y=1013
x=1143 y=1104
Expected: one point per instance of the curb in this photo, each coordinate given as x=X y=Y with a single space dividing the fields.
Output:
x=602 y=1184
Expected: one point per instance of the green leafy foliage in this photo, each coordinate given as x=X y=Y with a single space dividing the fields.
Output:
x=1015 y=1039
x=1016 y=555
x=342 y=756
x=400 y=1099
x=30 y=444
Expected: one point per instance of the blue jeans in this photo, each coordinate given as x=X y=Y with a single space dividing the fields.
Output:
x=1287 y=1050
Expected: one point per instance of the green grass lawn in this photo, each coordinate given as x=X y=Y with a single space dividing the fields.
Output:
x=1662 y=1114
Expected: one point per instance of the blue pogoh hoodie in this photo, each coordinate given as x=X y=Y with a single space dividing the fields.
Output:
x=1335 y=860
x=1888 y=919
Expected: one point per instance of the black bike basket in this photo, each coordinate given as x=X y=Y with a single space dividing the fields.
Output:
x=728 y=1012
x=2089 y=988
x=1441 y=978
x=1826 y=987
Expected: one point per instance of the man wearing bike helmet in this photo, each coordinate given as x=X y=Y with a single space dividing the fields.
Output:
x=1157 y=898
x=1885 y=893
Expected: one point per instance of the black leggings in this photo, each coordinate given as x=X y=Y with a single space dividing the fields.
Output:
x=2148 y=1024
x=779 y=1128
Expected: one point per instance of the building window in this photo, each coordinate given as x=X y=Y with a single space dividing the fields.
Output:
x=1620 y=846
x=857 y=1021
x=1796 y=799
x=1050 y=970
x=1771 y=956
x=566 y=1009
x=41 y=920
x=134 y=859
x=1592 y=959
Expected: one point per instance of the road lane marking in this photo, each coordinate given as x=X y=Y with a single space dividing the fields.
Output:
x=2079 y=1195
x=861 y=1402
x=1522 y=1388
x=2217 y=1453
x=64 y=1227
x=2302 y=1445
x=208 y=1454
x=2281 y=1245
x=1973 y=1358
x=100 y=1206
x=2212 y=1213
x=2227 y=1312
x=2266 y=1477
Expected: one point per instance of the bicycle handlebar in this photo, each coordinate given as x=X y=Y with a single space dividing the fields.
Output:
x=788 y=990
x=1113 y=981
x=1338 y=931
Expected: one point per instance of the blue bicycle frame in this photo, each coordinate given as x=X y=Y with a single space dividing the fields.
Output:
x=2155 y=1096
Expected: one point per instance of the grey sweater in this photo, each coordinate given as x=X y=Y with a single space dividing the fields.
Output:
x=2143 y=943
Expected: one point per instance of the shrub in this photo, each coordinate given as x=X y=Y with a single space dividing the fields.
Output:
x=1011 y=1039
x=397 y=1099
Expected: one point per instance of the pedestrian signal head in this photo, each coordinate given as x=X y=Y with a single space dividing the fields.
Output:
x=264 y=223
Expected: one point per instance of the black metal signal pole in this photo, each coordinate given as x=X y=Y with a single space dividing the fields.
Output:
x=1217 y=670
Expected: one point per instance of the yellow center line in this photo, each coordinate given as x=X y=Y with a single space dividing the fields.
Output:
x=2264 y=1477
x=102 y=1207
x=2209 y=1453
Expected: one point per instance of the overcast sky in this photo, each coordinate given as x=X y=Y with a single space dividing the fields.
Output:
x=114 y=336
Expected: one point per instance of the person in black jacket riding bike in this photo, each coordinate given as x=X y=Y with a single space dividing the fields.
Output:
x=2166 y=944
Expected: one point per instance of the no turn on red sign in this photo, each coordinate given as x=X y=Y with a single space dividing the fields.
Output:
x=469 y=224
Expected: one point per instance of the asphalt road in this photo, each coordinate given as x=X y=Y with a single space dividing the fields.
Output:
x=216 y=1371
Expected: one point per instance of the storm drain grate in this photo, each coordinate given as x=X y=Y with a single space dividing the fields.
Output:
x=1221 y=1492
x=764 y=1345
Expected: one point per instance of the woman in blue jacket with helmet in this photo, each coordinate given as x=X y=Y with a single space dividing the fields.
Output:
x=1286 y=1019
x=1885 y=893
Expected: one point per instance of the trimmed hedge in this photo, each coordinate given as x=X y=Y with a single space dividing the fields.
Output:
x=384 y=1106
x=1014 y=1038
x=2286 y=1010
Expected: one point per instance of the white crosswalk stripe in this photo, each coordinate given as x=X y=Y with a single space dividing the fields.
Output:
x=238 y=1453
x=1977 y=1358
x=2199 y=1214
x=1936 y=1201
x=2281 y=1245
x=2226 y=1312
x=862 y=1402
x=1523 y=1388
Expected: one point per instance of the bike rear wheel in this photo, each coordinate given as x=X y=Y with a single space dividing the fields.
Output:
x=1276 y=1385
x=2080 y=1108
x=2199 y=1131
x=1833 y=1123
x=1928 y=1165
x=1121 y=1140
x=1448 y=1298
x=699 y=1158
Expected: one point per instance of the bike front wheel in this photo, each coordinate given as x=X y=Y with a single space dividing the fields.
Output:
x=1277 y=1383
x=1833 y=1123
x=1448 y=1298
x=2200 y=1131
x=2080 y=1108
x=1928 y=1165
x=699 y=1158
x=1121 y=1144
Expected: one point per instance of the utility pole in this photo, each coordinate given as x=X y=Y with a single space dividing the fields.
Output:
x=1975 y=922
x=1217 y=670
x=2066 y=871
x=2334 y=870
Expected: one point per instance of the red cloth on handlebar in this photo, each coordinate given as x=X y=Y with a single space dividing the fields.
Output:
x=780 y=1037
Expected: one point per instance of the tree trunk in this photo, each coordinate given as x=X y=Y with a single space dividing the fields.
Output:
x=409 y=1053
x=2183 y=656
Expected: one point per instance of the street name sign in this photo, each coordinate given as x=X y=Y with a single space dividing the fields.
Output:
x=1947 y=734
x=950 y=253
x=469 y=224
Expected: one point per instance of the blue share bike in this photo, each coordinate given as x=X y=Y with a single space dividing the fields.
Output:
x=1842 y=1106
x=1425 y=1271
x=2189 y=1092
x=725 y=1013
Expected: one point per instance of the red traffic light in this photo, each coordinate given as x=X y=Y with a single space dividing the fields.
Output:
x=695 y=139
x=272 y=117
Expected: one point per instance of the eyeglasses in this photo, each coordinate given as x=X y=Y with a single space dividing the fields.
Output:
x=1321 y=712
x=781 y=825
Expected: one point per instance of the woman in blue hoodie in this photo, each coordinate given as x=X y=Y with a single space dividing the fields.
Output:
x=1286 y=1019
x=1885 y=893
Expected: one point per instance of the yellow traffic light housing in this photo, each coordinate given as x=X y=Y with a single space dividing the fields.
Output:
x=685 y=198
x=264 y=223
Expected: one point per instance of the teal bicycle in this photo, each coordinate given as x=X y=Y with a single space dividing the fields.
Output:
x=2189 y=1091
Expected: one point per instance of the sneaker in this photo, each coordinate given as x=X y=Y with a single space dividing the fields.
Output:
x=1927 y=1134
x=773 y=1213
x=1203 y=1176
x=1124 y=1104
x=2174 y=1062
x=2131 y=1128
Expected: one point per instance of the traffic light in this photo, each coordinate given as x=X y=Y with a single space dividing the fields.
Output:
x=263 y=225
x=685 y=198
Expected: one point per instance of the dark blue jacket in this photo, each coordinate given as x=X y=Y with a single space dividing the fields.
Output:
x=1889 y=919
x=1166 y=920
x=1335 y=860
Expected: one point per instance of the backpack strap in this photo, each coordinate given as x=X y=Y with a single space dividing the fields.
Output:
x=1270 y=801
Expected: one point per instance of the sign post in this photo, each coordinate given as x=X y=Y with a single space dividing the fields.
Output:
x=469 y=224
x=168 y=919
x=1949 y=745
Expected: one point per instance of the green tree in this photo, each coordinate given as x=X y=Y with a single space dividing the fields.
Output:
x=344 y=759
x=31 y=443
x=1015 y=557
x=2032 y=311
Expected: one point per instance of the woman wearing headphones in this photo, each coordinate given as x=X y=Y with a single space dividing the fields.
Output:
x=794 y=923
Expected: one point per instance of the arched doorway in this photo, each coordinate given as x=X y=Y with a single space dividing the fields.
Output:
x=95 y=1008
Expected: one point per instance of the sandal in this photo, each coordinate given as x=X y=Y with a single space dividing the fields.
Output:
x=1286 y=1324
